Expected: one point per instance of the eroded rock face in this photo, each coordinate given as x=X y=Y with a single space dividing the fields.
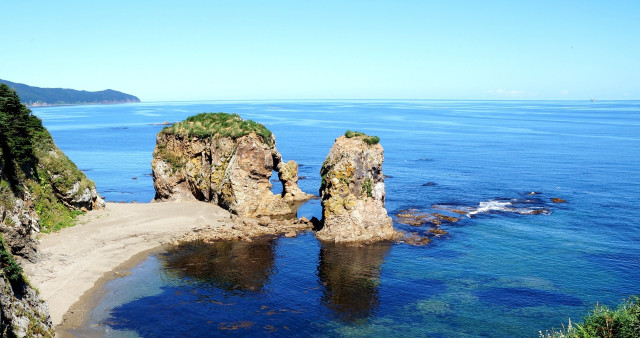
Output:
x=23 y=313
x=352 y=193
x=79 y=197
x=58 y=181
x=231 y=172
x=19 y=223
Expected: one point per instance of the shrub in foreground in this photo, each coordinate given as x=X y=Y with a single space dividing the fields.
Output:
x=624 y=321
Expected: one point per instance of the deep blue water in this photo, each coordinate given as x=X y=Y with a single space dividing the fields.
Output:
x=498 y=273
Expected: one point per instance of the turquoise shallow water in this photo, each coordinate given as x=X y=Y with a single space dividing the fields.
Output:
x=498 y=273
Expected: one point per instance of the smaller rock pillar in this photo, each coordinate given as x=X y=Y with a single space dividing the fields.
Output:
x=352 y=192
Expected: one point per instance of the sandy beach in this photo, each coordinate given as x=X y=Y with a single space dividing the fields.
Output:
x=74 y=259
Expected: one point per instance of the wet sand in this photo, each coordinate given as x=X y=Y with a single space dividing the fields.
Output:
x=75 y=262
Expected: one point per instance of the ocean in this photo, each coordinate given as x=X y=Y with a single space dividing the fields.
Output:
x=504 y=270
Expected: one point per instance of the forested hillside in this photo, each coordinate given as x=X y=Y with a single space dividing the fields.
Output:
x=36 y=96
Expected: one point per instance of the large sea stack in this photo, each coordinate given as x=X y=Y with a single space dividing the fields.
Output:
x=352 y=192
x=40 y=190
x=223 y=159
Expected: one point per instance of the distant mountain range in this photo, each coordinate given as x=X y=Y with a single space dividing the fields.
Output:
x=36 y=96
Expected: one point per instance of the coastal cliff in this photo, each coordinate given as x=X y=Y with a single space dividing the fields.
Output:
x=22 y=312
x=223 y=159
x=352 y=192
x=40 y=190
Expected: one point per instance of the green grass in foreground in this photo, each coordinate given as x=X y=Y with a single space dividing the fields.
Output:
x=624 y=321
x=370 y=140
x=206 y=125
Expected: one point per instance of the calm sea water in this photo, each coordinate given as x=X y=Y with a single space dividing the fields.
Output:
x=498 y=273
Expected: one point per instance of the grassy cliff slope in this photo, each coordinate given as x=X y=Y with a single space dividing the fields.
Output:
x=35 y=176
x=40 y=190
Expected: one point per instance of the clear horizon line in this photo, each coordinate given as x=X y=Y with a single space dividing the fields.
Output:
x=386 y=99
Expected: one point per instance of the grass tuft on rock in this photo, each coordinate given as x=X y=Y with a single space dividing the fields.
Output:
x=206 y=125
x=353 y=133
x=624 y=321
x=9 y=268
x=370 y=140
x=367 y=187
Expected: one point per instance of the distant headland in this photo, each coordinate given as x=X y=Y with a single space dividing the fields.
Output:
x=36 y=96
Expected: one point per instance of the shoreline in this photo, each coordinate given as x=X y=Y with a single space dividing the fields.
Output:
x=78 y=315
x=75 y=261
x=77 y=104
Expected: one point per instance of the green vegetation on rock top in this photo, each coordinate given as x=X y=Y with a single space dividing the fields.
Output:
x=206 y=125
x=370 y=140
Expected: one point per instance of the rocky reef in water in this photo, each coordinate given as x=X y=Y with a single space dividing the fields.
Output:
x=437 y=216
x=40 y=190
x=223 y=159
x=352 y=192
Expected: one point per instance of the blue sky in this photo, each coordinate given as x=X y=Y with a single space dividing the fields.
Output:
x=197 y=50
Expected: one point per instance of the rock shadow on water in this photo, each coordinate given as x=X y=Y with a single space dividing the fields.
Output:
x=211 y=290
x=237 y=267
x=350 y=276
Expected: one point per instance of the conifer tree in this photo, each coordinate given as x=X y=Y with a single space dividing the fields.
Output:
x=18 y=131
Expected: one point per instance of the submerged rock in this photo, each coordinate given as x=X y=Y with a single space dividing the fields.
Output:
x=438 y=231
x=416 y=239
x=222 y=159
x=415 y=217
x=442 y=215
x=352 y=192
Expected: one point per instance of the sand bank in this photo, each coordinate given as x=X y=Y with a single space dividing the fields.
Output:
x=74 y=259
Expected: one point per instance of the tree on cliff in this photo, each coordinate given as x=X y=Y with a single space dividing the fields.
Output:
x=19 y=129
x=34 y=170
x=22 y=312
